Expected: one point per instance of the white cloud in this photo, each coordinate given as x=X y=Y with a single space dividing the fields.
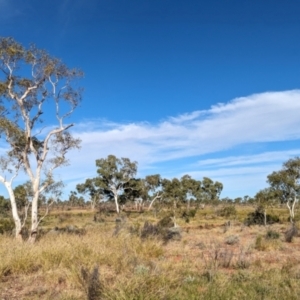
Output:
x=259 y=118
x=262 y=158
x=266 y=117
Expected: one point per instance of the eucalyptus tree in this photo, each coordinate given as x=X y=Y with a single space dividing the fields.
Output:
x=34 y=88
x=89 y=187
x=191 y=189
x=285 y=184
x=211 y=190
x=264 y=198
x=114 y=175
x=173 y=194
x=153 y=185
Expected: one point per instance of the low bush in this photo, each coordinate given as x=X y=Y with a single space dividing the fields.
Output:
x=6 y=225
x=232 y=240
x=291 y=233
x=272 y=235
x=157 y=230
x=166 y=222
x=227 y=211
x=258 y=218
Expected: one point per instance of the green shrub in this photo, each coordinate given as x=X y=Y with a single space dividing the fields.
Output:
x=187 y=214
x=258 y=218
x=272 y=235
x=227 y=211
x=259 y=243
x=6 y=225
x=166 y=222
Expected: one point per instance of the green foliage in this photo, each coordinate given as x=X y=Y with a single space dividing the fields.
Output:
x=227 y=211
x=188 y=213
x=259 y=243
x=257 y=217
x=285 y=184
x=272 y=235
x=166 y=221
x=4 y=206
x=21 y=195
x=6 y=225
x=211 y=190
x=163 y=230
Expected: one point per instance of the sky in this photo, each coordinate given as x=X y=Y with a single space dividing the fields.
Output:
x=205 y=88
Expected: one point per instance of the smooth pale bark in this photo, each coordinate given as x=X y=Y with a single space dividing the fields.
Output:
x=34 y=219
x=153 y=200
x=15 y=214
x=291 y=209
x=117 y=203
x=14 y=209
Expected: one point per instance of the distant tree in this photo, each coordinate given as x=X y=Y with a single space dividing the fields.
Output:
x=191 y=188
x=211 y=190
x=153 y=188
x=113 y=176
x=73 y=198
x=264 y=198
x=4 y=205
x=173 y=194
x=238 y=200
x=285 y=184
x=90 y=188
x=34 y=84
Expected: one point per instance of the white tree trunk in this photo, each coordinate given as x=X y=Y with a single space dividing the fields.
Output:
x=117 y=204
x=14 y=209
x=151 y=203
x=93 y=202
x=292 y=209
x=34 y=212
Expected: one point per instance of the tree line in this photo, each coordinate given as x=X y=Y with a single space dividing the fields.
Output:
x=116 y=181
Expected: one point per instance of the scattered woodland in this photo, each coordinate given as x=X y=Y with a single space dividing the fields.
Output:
x=118 y=236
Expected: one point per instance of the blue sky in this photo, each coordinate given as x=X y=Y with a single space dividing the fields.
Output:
x=206 y=88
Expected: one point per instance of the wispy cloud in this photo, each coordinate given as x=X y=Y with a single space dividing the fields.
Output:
x=259 y=118
x=262 y=158
x=266 y=117
x=177 y=145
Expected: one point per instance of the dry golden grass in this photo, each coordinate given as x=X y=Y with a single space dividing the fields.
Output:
x=203 y=265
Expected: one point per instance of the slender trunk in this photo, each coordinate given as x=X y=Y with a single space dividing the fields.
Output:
x=293 y=207
x=151 y=203
x=34 y=213
x=15 y=214
x=174 y=214
x=117 y=204
x=188 y=205
x=291 y=212
x=93 y=203
x=265 y=217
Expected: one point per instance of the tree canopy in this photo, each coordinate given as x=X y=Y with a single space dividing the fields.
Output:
x=34 y=89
